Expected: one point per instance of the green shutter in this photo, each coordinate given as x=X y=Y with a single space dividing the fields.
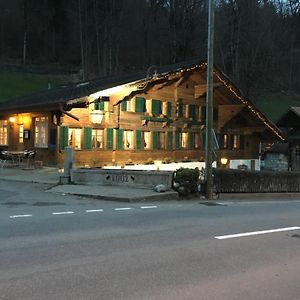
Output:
x=169 y=109
x=192 y=112
x=119 y=139
x=154 y=140
x=124 y=105
x=216 y=114
x=96 y=105
x=140 y=105
x=230 y=141
x=179 y=109
x=87 y=134
x=109 y=138
x=177 y=139
x=191 y=140
x=242 y=142
x=170 y=140
x=221 y=140
x=203 y=140
x=101 y=105
x=156 y=107
x=138 y=140
x=63 y=137
x=203 y=113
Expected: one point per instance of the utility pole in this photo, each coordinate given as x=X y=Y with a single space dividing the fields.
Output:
x=209 y=102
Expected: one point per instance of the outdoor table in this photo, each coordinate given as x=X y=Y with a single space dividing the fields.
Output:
x=16 y=156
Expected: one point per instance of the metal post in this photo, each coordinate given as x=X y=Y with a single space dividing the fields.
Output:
x=209 y=102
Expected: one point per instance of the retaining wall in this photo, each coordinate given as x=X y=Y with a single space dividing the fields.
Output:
x=121 y=177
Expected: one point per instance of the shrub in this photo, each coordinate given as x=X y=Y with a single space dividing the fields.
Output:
x=186 y=180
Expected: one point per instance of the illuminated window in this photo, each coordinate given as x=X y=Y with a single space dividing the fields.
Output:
x=21 y=134
x=225 y=141
x=197 y=112
x=98 y=138
x=3 y=132
x=148 y=105
x=146 y=139
x=161 y=140
x=197 y=140
x=185 y=110
x=74 y=138
x=184 y=140
x=41 y=132
x=236 y=142
x=130 y=105
x=128 y=139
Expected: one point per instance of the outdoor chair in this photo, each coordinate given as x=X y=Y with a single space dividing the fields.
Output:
x=29 y=155
x=4 y=159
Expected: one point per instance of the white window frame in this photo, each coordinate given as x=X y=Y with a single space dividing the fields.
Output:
x=97 y=137
x=21 y=133
x=146 y=140
x=75 y=137
x=41 y=134
x=3 y=132
x=128 y=142
x=184 y=140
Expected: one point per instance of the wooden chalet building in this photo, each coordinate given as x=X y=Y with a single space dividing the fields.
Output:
x=136 y=118
x=290 y=125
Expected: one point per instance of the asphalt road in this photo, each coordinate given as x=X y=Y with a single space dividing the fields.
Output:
x=55 y=246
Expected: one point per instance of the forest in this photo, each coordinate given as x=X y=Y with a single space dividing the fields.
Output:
x=257 y=42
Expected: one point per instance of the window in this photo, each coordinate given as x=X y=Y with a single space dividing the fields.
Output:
x=41 y=132
x=225 y=141
x=128 y=139
x=3 y=132
x=197 y=112
x=21 y=134
x=146 y=139
x=185 y=110
x=161 y=140
x=167 y=108
x=236 y=142
x=184 y=140
x=197 y=141
x=97 y=138
x=148 y=105
x=74 y=138
x=130 y=105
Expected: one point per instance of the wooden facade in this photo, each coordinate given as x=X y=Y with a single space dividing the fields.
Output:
x=161 y=117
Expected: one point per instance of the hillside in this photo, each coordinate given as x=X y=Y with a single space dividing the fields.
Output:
x=276 y=104
x=13 y=84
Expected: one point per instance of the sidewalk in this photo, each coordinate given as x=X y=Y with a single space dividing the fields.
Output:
x=48 y=175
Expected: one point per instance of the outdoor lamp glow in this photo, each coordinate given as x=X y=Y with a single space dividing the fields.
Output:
x=224 y=161
x=12 y=119
x=97 y=116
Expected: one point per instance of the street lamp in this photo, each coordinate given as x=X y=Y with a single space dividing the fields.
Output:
x=209 y=103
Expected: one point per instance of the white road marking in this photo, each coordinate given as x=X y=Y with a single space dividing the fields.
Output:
x=230 y=236
x=145 y=207
x=20 y=216
x=93 y=210
x=123 y=208
x=63 y=213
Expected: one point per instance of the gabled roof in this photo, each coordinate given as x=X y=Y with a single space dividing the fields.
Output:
x=291 y=118
x=64 y=94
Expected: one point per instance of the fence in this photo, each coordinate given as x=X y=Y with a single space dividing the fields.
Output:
x=236 y=181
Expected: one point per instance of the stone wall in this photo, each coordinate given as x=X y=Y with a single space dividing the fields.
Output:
x=121 y=177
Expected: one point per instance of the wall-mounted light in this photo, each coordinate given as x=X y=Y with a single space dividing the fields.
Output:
x=96 y=116
x=224 y=161
x=12 y=119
